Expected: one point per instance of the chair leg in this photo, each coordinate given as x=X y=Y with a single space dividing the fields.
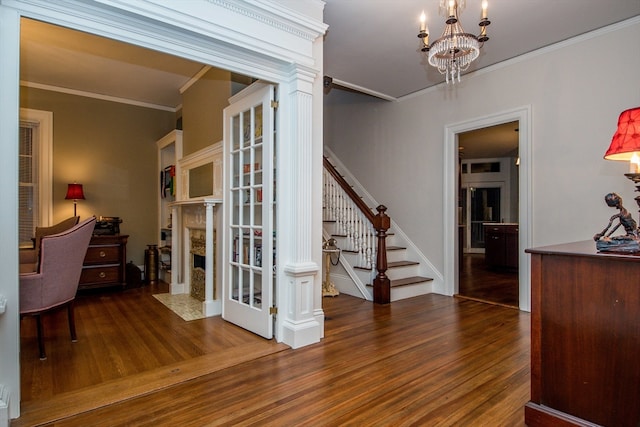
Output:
x=72 y=322
x=43 y=355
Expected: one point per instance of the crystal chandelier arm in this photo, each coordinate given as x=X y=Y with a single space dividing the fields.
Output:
x=454 y=51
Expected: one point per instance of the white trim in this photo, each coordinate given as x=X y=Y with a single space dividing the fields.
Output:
x=210 y=154
x=98 y=96
x=9 y=135
x=44 y=119
x=523 y=116
x=195 y=79
x=364 y=90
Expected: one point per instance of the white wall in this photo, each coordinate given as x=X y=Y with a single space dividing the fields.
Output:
x=576 y=91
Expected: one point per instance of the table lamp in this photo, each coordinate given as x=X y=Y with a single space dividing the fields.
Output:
x=75 y=193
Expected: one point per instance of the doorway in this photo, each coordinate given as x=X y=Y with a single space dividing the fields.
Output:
x=284 y=53
x=518 y=212
x=71 y=116
x=488 y=194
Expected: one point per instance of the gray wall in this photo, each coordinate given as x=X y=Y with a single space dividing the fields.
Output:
x=396 y=149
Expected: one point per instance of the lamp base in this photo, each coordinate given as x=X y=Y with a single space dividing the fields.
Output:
x=635 y=178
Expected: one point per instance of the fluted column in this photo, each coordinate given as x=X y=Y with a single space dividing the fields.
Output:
x=176 y=286
x=297 y=219
x=211 y=305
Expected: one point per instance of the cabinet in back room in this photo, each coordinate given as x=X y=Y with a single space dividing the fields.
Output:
x=501 y=245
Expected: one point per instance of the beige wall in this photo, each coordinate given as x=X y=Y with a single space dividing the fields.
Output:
x=109 y=148
x=202 y=105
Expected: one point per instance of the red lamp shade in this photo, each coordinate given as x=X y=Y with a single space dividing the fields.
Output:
x=626 y=140
x=74 y=192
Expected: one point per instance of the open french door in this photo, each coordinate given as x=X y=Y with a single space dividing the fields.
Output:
x=249 y=204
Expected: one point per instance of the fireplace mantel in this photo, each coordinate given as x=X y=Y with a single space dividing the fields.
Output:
x=197 y=201
x=180 y=223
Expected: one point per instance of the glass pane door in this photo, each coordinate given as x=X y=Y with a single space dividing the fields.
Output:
x=250 y=207
x=246 y=191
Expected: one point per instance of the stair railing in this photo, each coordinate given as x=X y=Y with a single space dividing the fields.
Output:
x=365 y=232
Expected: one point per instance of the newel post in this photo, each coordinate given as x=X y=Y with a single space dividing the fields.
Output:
x=381 y=284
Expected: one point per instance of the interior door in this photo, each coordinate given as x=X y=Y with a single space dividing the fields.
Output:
x=249 y=201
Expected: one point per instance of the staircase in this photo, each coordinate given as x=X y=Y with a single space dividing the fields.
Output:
x=410 y=273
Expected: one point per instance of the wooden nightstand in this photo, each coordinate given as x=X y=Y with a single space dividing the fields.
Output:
x=104 y=264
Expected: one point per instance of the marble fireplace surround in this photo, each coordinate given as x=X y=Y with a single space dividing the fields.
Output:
x=187 y=215
x=197 y=264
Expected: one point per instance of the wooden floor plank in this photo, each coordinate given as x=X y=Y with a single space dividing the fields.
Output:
x=430 y=360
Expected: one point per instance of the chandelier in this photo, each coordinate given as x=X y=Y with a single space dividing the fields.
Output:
x=455 y=50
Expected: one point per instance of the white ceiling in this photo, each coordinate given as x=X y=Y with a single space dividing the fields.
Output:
x=373 y=44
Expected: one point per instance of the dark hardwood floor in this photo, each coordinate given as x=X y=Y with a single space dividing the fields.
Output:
x=430 y=360
x=479 y=282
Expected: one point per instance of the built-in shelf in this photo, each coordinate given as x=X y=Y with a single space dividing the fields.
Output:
x=168 y=190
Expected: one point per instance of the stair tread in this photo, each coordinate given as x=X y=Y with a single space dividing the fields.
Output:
x=407 y=281
x=401 y=263
x=410 y=281
x=391 y=264
x=395 y=248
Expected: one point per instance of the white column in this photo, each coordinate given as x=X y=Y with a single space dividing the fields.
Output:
x=299 y=325
x=176 y=286
x=211 y=306
x=10 y=319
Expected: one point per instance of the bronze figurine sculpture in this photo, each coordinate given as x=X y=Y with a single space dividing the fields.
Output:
x=624 y=243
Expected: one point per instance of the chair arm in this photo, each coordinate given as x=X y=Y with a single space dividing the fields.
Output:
x=30 y=292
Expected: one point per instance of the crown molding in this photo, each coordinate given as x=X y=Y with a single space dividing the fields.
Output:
x=101 y=97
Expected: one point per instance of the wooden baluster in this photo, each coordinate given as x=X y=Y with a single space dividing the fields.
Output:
x=370 y=248
x=381 y=284
x=358 y=240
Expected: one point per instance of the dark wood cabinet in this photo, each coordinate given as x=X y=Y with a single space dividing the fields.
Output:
x=585 y=337
x=501 y=245
x=104 y=263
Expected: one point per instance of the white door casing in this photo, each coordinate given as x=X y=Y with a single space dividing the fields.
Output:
x=523 y=116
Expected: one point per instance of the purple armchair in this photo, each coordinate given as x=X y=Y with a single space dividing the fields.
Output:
x=55 y=284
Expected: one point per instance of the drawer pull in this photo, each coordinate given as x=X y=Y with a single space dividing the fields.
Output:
x=103 y=254
x=102 y=275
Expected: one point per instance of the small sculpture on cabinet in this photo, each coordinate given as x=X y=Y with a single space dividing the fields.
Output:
x=628 y=242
